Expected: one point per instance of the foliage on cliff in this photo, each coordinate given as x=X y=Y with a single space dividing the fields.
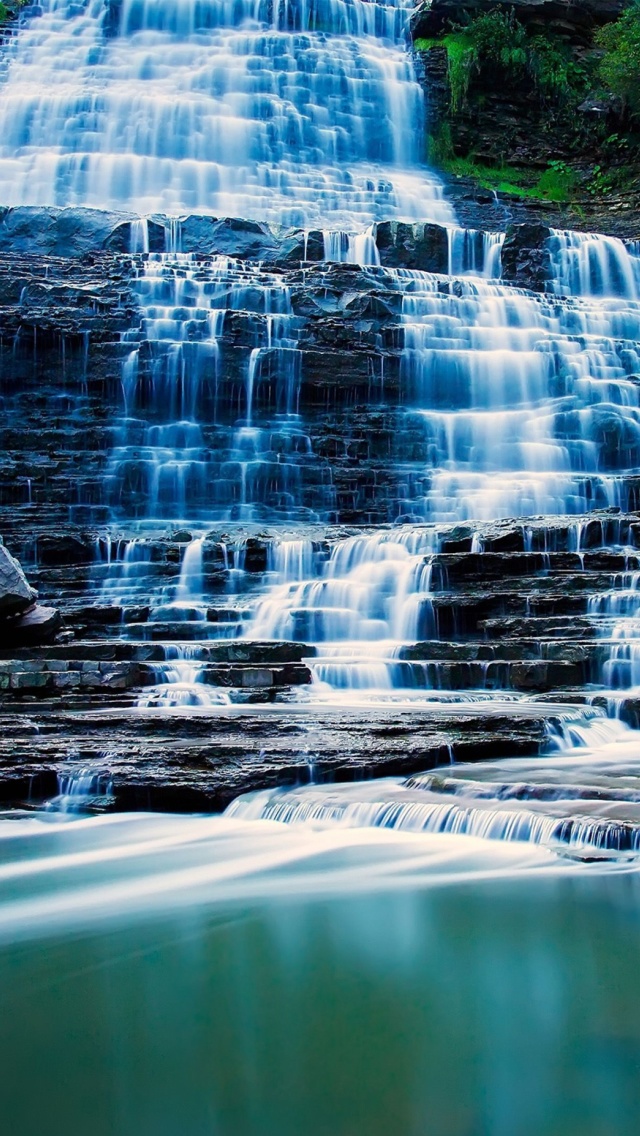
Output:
x=498 y=39
x=620 y=66
x=576 y=105
x=10 y=9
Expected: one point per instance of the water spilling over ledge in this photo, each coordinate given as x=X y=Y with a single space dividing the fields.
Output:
x=332 y=506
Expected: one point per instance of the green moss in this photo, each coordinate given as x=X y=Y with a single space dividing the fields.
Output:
x=7 y=11
x=557 y=183
x=499 y=40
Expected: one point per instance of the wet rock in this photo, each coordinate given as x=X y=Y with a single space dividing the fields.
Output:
x=15 y=593
x=526 y=257
x=37 y=625
x=29 y=230
x=418 y=246
x=230 y=236
x=204 y=761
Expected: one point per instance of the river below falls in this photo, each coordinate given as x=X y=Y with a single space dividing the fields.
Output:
x=183 y=976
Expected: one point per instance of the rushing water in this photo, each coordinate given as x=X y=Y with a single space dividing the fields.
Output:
x=292 y=111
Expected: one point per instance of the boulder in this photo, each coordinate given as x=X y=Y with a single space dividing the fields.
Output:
x=418 y=246
x=229 y=236
x=35 y=626
x=526 y=256
x=37 y=230
x=299 y=246
x=15 y=593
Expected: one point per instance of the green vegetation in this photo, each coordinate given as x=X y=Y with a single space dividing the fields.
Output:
x=557 y=183
x=498 y=39
x=619 y=69
x=10 y=9
x=495 y=53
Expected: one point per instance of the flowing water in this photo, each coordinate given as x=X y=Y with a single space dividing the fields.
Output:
x=455 y=952
x=295 y=112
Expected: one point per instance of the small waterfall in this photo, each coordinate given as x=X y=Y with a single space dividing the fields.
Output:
x=522 y=404
x=180 y=686
x=474 y=253
x=588 y=264
x=357 y=607
x=416 y=806
x=85 y=790
x=182 y=453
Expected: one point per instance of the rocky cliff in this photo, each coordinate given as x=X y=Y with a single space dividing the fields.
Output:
x=564 y=152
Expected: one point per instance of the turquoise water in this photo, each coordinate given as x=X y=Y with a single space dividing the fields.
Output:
x=164 y=976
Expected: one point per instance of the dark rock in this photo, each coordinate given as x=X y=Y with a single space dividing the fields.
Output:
x=37 y=625
x=231 y=236
x=575 y=20
x=15 y=593
x=526 y=256
x=57 y=232
x=403 y=245
x=299 y=247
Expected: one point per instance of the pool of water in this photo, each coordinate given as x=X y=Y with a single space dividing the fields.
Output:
x=214 y=975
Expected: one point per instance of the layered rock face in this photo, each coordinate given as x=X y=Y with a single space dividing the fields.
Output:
x=266 y=469
x=198 y=445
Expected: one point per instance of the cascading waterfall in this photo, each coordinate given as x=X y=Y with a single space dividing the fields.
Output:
x=295 y=112
x=232 y=448
x=370 y=596
x=166 y=469
x=524 y=404
x=516 y=403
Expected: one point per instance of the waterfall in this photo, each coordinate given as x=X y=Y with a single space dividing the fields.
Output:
x=297 y=112
x=162 y=467
x=587 y=264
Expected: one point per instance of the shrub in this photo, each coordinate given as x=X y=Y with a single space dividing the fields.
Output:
x=620 y=66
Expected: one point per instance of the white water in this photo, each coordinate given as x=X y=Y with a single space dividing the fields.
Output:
x=301 y=113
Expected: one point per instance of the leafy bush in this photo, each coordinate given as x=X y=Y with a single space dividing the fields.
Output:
x=498 y=37
x=620 y=65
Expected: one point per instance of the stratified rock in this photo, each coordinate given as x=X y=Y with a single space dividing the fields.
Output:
x=402 y=245
x=526 y=256
x=15 y=593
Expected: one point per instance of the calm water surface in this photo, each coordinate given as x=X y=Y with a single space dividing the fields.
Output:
x=165 y=976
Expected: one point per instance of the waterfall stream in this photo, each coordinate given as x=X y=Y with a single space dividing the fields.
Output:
x=295 y=112
x=351 y=489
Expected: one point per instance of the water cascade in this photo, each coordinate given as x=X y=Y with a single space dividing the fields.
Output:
x=293 y=112
x=338 y=501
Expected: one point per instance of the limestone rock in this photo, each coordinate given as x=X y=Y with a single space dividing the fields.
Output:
x=15 y=593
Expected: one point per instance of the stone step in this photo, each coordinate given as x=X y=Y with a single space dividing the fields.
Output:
x=205 y=758
x=119 y=650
